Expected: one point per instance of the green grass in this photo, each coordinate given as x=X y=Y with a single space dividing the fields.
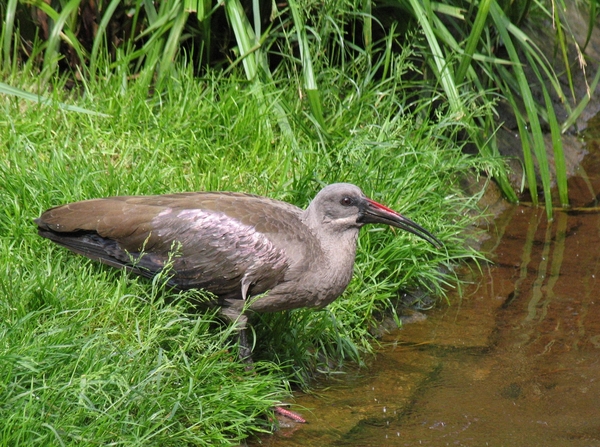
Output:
x=91 y=356
x=491 y=47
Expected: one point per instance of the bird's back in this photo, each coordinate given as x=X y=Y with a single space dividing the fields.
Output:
x=230 y=244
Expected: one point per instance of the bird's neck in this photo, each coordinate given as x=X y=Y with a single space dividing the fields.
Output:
x=338 y=250
x=337 y=266
x=336 y=237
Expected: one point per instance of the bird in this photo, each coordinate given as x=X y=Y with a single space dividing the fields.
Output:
x=252 y=253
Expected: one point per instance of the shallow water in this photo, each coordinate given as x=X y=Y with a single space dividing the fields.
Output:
x=514 y=362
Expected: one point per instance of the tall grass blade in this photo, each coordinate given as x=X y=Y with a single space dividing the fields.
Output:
x=562 y=44
x=489 y=149
x=448 y=39
x=473 y=40
x=99 y=38
x=244 y=36
x=257 y=23
x=441 y=64
x=193 y=5
x=40 y=99
x=161 y=21
x=539 y=147
x=528 y=163
x=51 y=55
x=150 y=11
x=449 y=86
x=530 y=49
x=592 y=15
x=159 y=50
x=387 y=59
x=203 y=11
x=310 y=82
x=574 y=115
x=448 y=10
x=557 y=147
x=559 y=155
x=7 y=33
x=367 y=8
x=172 y=44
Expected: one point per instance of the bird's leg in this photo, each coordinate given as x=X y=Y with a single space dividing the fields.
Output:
x=245 y=352
x=240 y=320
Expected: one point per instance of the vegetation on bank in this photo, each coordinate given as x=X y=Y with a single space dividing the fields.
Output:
x=92 y=356
x=486 y=48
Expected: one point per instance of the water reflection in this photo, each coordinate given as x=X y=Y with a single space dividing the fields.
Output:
x=514 y=362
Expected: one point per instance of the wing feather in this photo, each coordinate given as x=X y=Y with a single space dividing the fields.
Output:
x=222 y=242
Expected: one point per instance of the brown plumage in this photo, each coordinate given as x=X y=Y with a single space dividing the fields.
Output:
x=235 y=245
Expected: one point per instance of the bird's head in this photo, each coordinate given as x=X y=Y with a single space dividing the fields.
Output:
x=342 y=206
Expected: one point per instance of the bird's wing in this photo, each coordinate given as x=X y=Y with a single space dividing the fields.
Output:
x=227 y=243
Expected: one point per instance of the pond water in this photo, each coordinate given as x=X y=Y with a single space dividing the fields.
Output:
x=514 y=361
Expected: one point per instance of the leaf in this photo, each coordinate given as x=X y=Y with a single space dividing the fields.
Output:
x=13 y=91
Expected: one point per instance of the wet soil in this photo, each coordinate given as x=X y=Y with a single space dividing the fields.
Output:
x=513 y=361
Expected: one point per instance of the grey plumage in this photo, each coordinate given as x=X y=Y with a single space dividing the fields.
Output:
x=234 y=245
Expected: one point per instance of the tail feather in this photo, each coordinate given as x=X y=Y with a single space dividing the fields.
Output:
x=93 y=246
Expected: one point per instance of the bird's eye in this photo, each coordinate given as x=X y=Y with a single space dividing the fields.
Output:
x=347 y=201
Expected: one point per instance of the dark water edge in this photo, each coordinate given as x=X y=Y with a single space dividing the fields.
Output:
x=513 y=361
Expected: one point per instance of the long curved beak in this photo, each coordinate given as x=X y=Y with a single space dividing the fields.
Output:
x=374 y=212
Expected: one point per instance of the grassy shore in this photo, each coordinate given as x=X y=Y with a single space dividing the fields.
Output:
x=92 y=356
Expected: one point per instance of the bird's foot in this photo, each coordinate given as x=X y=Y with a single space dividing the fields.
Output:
x=289 y=414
